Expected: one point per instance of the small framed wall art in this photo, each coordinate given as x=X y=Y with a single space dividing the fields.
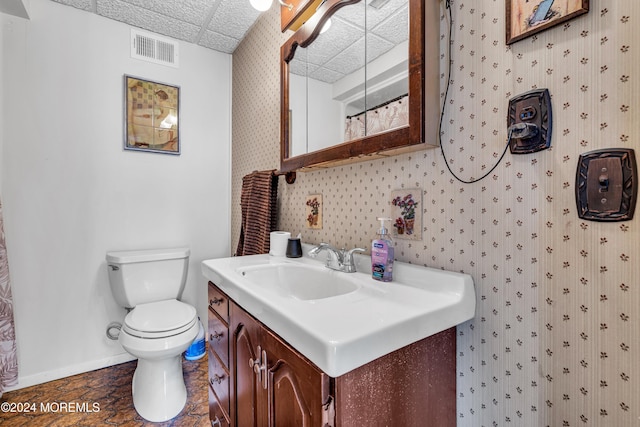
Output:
x=314 y=211
x=151 y=116
x=527 y=17
x=406 y=213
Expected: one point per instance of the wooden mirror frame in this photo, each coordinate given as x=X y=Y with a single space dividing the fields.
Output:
x=395 y=141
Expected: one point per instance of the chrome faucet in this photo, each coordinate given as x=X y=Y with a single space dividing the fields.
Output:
x=339 y=260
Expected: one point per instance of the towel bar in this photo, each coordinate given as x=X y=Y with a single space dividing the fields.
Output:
x=289 y=177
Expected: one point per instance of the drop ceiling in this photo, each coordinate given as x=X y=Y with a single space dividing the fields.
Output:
x=343 y=48
x=222 y=24
x=215 y=24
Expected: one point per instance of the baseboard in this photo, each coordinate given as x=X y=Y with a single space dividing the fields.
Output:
x=68 y=371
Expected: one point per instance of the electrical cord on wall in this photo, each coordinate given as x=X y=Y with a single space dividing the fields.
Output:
x=512 y=129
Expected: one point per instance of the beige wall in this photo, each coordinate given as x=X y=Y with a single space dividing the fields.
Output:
x=555 y=338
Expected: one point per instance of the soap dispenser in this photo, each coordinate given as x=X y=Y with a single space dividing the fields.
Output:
x=382 y=254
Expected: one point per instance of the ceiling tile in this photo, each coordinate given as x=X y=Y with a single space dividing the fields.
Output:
x=395 y=28
x=326 y=75
x=348 y=60
x=376 y=16
x=302 y=67
x=222 y=24
x=148 y=20
x=219 y=42
x=192 y=11
x=298 y=66
x=339 y=37
x=376 y=46
x=80 y=4
x=356 y=13
x=233 y=18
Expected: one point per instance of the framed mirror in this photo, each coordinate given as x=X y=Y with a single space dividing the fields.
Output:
x=354 y=83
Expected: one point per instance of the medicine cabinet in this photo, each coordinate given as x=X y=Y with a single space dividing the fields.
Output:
x=360 y=80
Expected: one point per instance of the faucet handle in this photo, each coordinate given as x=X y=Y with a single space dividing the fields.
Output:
x=351 y=251
x=316 y=249
x=348 y=265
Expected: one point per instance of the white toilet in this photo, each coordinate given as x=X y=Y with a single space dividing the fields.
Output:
x=158 y=328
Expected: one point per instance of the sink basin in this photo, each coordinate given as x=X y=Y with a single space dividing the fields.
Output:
x=299 y=281
x=341 y=321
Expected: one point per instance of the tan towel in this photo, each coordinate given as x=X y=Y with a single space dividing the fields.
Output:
x=258 y=203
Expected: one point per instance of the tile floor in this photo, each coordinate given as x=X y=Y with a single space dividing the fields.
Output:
x=108 y=390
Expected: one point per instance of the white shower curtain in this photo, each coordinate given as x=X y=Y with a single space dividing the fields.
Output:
x=379 y=119
x=8 y=357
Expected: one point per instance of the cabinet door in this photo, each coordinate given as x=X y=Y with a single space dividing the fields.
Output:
x=246 y=410
x=297 y=389
x=284 y=389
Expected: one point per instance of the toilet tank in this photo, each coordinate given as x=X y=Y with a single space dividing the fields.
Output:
x=143 y=276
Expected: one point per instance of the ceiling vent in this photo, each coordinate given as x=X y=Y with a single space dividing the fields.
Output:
x=378 y=4
x=153 y=48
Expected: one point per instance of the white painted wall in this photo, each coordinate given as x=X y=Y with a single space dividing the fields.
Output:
x=71 y=193
x=316 y=125
x=298 y=106
x=326 y=117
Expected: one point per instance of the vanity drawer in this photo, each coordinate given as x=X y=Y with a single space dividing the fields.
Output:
x=219 y=381
x=218 y=302
x=218 y=332
x=216 y=415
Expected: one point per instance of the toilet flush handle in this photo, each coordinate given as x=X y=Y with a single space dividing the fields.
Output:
x=114 y=267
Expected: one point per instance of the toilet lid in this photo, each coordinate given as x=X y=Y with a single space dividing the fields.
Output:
x=160 y=319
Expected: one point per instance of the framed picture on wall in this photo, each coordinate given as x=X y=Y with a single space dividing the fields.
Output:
x=151 y=116
x=527 y=17
x=314 y=211
x=406 y=214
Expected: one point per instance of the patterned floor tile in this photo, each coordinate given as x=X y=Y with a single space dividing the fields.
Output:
x=101 y=398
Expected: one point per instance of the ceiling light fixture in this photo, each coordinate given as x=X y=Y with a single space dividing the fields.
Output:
x=327 y=24
x=263 y=5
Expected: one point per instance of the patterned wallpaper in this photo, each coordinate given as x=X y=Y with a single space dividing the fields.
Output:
x=555 y=340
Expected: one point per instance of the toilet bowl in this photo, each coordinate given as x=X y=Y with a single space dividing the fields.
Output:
x=158 y=388
x=159 y=327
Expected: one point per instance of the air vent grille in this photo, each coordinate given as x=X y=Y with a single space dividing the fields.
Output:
x=378 y=4
x=152 y=48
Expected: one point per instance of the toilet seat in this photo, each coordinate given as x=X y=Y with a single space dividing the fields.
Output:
x=160 y=319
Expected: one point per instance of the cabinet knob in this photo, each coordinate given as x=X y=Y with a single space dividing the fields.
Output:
x=216 y=422
x=216 y=301
x=216 y=379
x=216 y=335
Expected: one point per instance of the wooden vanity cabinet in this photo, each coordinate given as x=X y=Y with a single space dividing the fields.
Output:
x=218 y=353
x=273 y=385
